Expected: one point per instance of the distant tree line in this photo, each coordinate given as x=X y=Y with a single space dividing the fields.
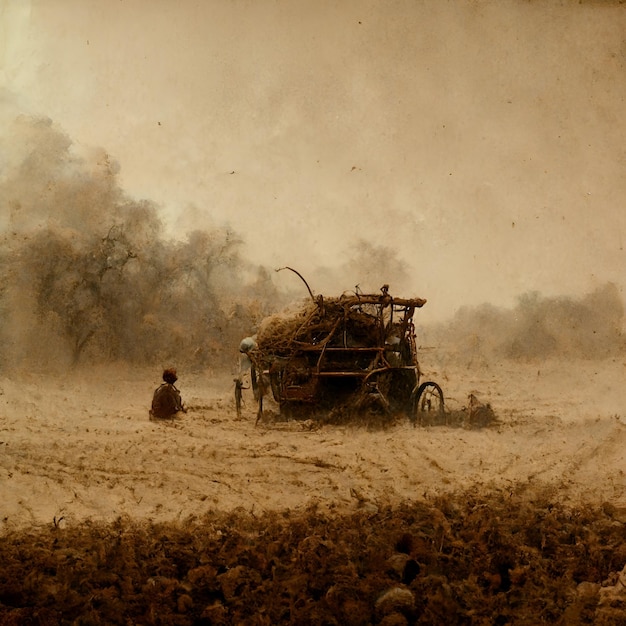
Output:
x=538 y=327
x=87 y=274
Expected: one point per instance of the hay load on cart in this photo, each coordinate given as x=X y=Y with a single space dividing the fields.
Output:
x=353 y=354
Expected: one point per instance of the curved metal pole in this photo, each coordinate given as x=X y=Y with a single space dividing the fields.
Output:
x=301 y=278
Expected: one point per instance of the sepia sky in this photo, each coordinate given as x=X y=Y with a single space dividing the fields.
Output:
x=483 y=141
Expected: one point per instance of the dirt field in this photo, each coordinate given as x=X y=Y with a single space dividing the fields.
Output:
x=83 y=447
x=81 y=450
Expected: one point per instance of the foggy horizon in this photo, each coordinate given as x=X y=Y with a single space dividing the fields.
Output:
x=475 y=146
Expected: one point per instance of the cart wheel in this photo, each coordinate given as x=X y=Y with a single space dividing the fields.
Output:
x=428 y=405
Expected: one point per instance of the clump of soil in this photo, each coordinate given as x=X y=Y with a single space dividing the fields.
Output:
x=499 y=558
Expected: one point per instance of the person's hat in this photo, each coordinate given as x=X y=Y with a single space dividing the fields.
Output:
x=247 y=344
x=169 y=375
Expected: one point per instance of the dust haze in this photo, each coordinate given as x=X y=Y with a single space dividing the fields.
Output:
x=469 y=153
x=90 y=275
x=479 y=141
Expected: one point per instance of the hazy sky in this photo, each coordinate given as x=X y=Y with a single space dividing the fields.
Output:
x=485 y=141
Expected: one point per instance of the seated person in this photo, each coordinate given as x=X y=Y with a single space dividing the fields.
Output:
x=166 y=402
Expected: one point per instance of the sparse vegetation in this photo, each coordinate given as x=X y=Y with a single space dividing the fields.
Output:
x=589 y=327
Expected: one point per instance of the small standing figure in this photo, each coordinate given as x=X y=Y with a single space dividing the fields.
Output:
x=166 y=402
x=239 y=387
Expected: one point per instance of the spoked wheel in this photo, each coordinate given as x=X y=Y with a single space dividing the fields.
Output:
x=428 y=405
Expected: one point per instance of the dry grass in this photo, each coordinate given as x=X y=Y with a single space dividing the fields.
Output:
x=466 y=559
